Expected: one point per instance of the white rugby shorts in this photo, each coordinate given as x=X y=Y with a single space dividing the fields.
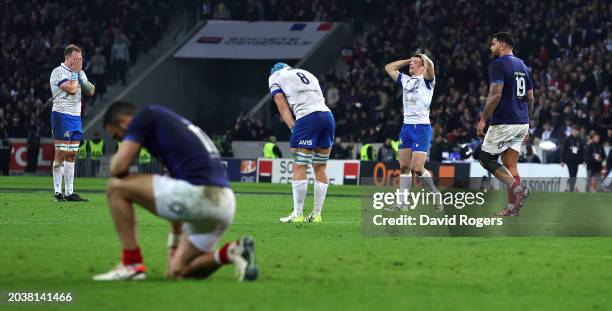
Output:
x=500 y=138
x=206 y=211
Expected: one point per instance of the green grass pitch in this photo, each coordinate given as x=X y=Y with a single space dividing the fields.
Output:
x=48 y=246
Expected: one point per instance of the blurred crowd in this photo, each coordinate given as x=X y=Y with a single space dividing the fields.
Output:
x=34 y=33
x=566 y=44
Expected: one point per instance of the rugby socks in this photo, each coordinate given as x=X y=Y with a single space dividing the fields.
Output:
x=320 y=190
x=68 y=177
x=511 y=194
x=512 y=197
x=131 y=257
x=300 y=187
x=405 y=183
x=225 y=254
x=58 y=172
x=426 y=179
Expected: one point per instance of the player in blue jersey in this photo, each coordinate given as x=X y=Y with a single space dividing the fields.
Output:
x=196 y=196
x=508 y=109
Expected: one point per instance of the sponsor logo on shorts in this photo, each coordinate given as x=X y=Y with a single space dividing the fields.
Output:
x=178 y=208
x=307 y=142
x=67 y=134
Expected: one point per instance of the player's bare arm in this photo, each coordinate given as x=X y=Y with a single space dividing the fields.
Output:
x=393 y=68
x=89 y=88
x=530 y=100
x=495 y=94
x=430 y=72
x=283 y=109
x=120 y=163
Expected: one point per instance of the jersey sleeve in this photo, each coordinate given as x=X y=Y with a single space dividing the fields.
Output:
x=400 y=79
x=274 y=85
x=140 y=125
x=430 y=83
x=496 y=72
x=59 y=76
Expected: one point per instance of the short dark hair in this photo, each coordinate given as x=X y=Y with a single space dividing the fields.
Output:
x=71 y=48
x=504 y=37
x=116 y=109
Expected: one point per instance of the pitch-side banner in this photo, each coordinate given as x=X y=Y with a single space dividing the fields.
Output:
x=19 y=155
x=537 y=177
x=254 y=40
x=280 y=171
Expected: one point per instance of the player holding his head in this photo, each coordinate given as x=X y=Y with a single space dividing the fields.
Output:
x=197 y=195
x=312 y=133
x=508 y=109
x=415 y=135
x=67 y=80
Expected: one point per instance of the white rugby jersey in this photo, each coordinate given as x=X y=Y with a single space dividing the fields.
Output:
x=65 y=103
x=301 y=88
x=418 y=93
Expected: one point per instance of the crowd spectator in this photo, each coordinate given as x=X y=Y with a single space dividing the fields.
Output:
x=386 y=153
x=595 y=157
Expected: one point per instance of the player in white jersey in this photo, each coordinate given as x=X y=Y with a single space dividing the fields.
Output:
x=312 y=133
x=415 y=136
x=67 y=81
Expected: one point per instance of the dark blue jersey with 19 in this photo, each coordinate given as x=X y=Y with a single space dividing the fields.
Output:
x=514 y=74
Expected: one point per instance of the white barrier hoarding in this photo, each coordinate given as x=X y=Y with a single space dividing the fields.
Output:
x=254 y=40
x=339 y=172
x=537 y=177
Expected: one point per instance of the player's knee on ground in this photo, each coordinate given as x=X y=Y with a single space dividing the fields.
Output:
x=489 y=162
x=177 y=269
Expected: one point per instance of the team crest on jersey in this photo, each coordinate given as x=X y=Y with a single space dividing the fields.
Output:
x=307 y=142
x=413 y=89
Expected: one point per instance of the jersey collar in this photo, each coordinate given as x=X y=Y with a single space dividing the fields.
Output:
x=65 y=67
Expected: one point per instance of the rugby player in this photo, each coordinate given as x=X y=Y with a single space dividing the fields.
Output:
x=415 y=135
x=196 y=196
x=507 y=110
x=312 y=134
x=68 y=81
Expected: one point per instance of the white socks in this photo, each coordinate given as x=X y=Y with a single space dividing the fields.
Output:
x=320 y=190
x=58 y=171
x=300 y=187
x=428 y=181
x=405 y=183
x=68 y=177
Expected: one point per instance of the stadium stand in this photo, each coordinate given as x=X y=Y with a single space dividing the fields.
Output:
x=569 y=54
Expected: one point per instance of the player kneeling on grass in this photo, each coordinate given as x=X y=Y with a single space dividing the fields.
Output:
x=196 y=194
x=299 y=91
